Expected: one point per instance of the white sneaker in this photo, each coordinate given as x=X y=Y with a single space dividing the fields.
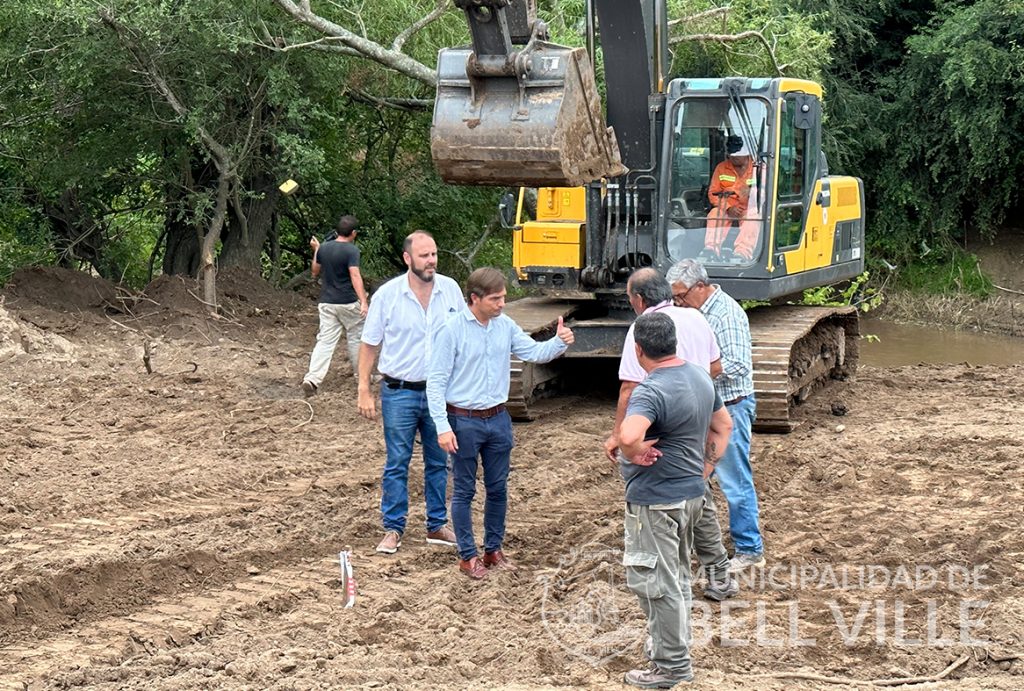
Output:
x=742 y=562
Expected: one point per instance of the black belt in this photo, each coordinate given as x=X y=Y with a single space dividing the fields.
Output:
x=393 y=383
x=485 y=413
x=735 y=400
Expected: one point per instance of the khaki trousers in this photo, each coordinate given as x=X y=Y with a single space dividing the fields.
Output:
x=333 y=320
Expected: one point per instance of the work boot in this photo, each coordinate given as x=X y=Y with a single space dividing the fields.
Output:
x=442 y=536
x=707 y=255
x=654 y=678
x=309 y=388
x=391 y=542
x=722 y=590
x=742 y=562
x=474 y=568
x=498 y=561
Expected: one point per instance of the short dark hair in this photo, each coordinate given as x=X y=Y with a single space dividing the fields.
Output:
x=655 y=333
x=407 y=244
x=650 y=285
x=347 y=225
x=484 y=282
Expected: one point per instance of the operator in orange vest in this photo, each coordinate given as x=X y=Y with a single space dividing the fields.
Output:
x=729 y=193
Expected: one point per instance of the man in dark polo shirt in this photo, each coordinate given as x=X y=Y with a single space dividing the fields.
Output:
x=342 y=302
x=674 y=432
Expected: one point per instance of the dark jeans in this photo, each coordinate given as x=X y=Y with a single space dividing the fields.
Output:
x=489 y=443
x=405 y=412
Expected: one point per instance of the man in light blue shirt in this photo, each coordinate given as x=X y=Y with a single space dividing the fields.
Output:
x=404 y=315
x=467 y=387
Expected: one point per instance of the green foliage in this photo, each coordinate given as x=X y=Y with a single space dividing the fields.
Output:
x=858 y=293
x=954 y=271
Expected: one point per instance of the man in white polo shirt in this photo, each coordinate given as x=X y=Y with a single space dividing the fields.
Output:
x=404 y=315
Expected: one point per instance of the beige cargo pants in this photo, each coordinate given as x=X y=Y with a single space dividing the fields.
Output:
x=657 y=560
x=333 y=320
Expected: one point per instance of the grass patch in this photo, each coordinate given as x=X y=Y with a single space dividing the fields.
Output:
x=958 y=272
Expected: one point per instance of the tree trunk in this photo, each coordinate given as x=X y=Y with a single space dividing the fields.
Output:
x=209 y=268
x=182 y=253
x=249 y=223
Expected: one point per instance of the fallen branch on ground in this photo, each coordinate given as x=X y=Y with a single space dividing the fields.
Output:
x=1007 y=290
x=849 y=681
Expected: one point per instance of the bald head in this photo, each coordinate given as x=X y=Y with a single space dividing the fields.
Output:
x=646 y=288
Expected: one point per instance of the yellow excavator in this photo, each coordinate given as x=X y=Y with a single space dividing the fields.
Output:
x=727 y=171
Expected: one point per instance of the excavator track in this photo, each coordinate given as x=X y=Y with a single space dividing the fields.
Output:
x=797 y=350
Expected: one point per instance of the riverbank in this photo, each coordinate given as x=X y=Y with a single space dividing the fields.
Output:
x=997 y=314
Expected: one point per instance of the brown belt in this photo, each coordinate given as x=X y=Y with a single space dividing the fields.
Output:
x=485 y=413
x=735 y=400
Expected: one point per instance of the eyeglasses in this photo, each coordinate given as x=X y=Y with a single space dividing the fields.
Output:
x=680 y=297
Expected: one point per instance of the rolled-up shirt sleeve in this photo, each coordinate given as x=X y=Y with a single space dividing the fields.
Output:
x=442 y=360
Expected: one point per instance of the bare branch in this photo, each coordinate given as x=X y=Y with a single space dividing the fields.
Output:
x=279 y=45
x=732 y=38
x=439 y=8
x=406 y=104
x=706 y=14
x=371 y=50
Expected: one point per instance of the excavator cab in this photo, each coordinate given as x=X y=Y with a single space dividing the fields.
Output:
x=515 y=109
x=718 y=180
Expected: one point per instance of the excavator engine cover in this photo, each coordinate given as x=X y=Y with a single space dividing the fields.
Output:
x=534 y=120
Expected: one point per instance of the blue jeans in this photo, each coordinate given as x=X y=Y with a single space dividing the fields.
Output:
x=736 y=478
x=404 y=412
x=490 y=440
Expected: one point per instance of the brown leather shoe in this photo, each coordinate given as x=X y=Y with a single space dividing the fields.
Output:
x=474 y=568
x=391 y=542
x=498 y=561
x=442 y=536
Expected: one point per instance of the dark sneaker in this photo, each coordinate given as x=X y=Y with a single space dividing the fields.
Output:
x=654 y=678
x=474 y=568
x=722 y=590
x=498 y=561
x=707 y=255
x=742 y=562
x=391 y=542
x=309 y=388
x=442 y=536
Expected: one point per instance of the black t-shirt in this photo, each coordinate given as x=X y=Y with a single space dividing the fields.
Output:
x=335 y=259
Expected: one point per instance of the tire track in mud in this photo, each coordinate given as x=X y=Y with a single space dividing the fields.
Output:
x=170 y=623
x=70 y=572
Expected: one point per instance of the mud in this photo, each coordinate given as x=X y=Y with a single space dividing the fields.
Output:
x=180 y=528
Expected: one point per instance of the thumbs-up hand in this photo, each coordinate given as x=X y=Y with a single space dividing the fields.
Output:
x=564 y=332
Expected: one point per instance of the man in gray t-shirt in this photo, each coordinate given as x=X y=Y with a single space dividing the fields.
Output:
x=674 y=432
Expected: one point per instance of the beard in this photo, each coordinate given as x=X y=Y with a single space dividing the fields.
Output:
x=424 y=273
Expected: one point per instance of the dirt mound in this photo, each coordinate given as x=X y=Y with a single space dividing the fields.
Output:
x=21 y=338
x=60 y=290
x=240 y=293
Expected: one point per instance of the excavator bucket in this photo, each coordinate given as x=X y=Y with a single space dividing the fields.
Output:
x=538 y=125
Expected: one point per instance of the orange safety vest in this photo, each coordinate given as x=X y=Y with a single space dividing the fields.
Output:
x=727 y=179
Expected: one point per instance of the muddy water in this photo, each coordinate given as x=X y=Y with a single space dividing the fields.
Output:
x=906 y=344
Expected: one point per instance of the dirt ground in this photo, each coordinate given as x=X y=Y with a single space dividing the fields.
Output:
x=180 y=528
